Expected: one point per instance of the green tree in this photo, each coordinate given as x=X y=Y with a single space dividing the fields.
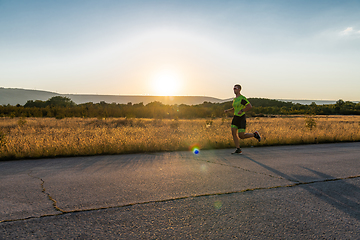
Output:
x=59 y=101
x=339 y=104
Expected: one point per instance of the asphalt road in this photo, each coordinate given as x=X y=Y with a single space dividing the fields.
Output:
x=283 y=192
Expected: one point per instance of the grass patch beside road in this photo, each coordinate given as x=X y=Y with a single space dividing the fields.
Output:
x=49 y=137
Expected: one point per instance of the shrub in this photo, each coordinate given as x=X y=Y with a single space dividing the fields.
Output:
x=21 y=122
x=123 y=122
x=310 y=123
x=208 y=123
x=174 y=124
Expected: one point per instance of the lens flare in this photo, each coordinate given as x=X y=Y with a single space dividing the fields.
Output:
x=195 y=148
x=196 y=151
x=218 y=205
x=203 y=168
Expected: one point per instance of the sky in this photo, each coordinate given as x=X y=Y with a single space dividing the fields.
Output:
x=279 y=49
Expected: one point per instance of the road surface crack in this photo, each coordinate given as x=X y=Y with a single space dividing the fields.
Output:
x=62 y=212
x=54 y=203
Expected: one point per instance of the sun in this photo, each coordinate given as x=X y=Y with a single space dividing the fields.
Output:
x=166 y=83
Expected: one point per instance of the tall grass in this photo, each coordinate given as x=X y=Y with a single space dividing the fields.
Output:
x=47 y=137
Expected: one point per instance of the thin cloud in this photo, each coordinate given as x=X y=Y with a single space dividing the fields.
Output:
x=350 y=31
x=347 y=31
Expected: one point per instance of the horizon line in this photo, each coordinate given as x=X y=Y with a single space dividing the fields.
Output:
x=147 y=95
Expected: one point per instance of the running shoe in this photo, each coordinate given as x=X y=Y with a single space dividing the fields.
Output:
x=237 y=151
x=257 y=136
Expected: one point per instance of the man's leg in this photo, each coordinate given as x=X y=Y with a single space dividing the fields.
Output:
x=244 y=135
x=235 y=137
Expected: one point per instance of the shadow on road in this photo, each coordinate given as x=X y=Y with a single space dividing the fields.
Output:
x=340 y=193
x=344 y=195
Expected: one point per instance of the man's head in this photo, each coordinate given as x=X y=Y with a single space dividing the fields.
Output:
x=237 y=87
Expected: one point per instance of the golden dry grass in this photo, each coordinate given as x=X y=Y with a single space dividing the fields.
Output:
x=48 y=137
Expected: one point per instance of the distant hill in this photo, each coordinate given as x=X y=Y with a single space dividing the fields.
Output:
x=14 y=96
x=308 y=102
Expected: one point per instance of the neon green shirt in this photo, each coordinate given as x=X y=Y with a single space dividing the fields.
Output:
x=239 y=103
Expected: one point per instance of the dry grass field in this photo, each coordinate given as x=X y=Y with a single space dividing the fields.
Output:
x=49 y=137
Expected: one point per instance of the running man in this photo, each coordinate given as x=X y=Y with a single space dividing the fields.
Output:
x=238 y=125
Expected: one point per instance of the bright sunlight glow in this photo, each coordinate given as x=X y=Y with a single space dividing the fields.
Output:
x=166 y=83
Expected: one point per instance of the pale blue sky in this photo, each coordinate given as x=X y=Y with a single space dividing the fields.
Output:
x=274 y=49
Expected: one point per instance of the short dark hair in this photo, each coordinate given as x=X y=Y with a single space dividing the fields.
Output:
x=238 y=86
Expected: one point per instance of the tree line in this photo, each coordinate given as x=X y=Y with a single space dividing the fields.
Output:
x=62 y=107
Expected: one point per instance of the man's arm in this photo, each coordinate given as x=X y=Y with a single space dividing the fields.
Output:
x=228 y=110
x=247 y=108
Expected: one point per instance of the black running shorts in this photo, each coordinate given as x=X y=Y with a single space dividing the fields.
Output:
x=239 y=123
